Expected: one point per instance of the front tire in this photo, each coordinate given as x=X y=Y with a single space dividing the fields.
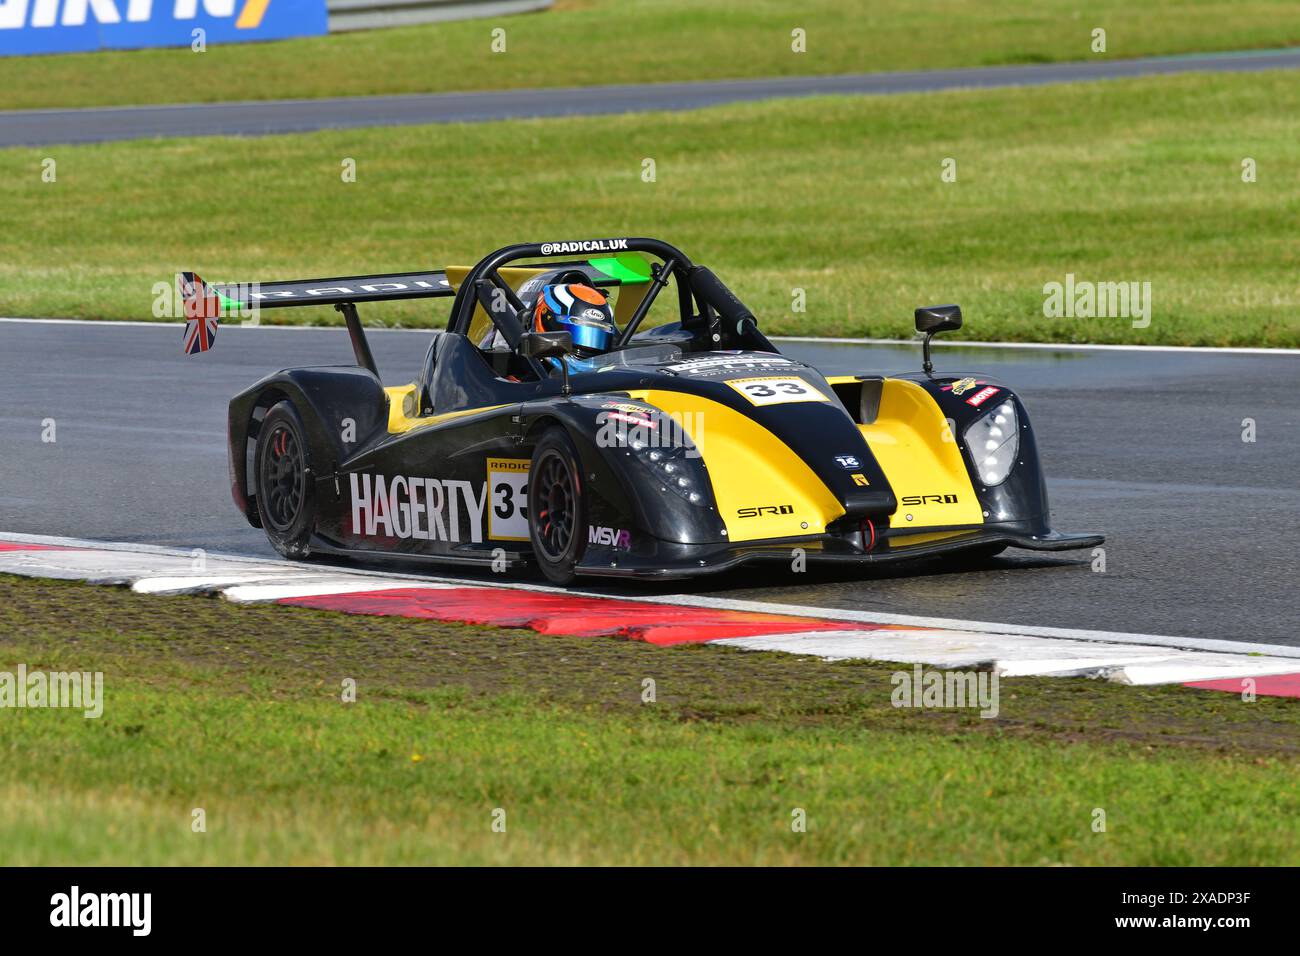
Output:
x=557 y=512
x=286 y=491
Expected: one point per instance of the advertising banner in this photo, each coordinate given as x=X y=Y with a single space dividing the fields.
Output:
x=65 y=26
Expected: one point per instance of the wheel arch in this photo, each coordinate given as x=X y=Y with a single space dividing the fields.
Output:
x=324 y=398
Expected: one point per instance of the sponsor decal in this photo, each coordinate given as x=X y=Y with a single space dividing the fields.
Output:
x=770 y=390
x=727 y=364
x=982 y=396
x=627 y=407
x=507 y=481
x=426 y=509
x=641 y=420
x=961 y=386
x=848 y=462
x=587 y=245
x=619 y=538
x=914 y=501
x=759 y=510
x=335 y=290
x=860 y=479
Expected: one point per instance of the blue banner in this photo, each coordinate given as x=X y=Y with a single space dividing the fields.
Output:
x=65 y=26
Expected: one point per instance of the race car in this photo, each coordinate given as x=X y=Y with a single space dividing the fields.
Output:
x=685 y=445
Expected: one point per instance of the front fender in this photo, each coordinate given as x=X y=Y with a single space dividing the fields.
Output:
x=623 y=491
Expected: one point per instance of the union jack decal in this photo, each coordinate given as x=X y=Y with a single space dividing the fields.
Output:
x=202 y=313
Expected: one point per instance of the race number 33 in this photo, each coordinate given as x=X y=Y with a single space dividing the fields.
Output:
x=508 y=496
x=773 y=390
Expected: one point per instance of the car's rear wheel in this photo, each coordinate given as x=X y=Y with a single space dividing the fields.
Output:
x=557 y=513
x=286 y=498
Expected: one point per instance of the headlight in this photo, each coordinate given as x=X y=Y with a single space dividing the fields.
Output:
x=994 y=442
x=662 y=446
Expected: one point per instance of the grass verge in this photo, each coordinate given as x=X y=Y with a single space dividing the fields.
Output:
x=586 y=42
x=1124 y=181
x=237 y=711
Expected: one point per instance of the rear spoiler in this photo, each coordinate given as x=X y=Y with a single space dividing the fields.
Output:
x=344 y=292
x=337 y=291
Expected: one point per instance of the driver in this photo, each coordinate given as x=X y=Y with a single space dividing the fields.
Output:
x=581 y=310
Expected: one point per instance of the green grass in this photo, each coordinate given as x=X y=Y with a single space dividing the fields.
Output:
x=638 y=41
x=842 y=197
x=237 y=711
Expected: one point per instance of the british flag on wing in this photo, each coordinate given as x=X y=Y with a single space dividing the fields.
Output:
x=202 y=312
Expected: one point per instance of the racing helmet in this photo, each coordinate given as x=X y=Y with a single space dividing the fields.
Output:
x=579 y=309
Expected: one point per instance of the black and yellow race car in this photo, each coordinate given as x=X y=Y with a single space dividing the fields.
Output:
x=689 y=446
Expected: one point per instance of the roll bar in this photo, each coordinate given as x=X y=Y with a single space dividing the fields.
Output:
x=675 y=261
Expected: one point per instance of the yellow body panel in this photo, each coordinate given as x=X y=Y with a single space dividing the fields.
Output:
x=750 y=468
x=401 y=402
x=914 y=444
x=480 y=324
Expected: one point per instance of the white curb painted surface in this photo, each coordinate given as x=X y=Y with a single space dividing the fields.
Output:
x=1010 y=650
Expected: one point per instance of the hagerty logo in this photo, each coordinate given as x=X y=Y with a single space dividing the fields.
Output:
x=428 y=509
x=75 y=908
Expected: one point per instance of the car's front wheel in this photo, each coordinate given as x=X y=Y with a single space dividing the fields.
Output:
x=556 y=509
x=286 y=497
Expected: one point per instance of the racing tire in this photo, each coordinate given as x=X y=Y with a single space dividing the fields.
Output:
x=286 y=489
x=557 y=511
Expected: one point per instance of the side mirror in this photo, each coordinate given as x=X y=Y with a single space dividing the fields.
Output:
x=541 y=345
x=932 y=319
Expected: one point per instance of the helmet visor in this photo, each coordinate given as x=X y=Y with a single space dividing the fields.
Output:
x=589 y=335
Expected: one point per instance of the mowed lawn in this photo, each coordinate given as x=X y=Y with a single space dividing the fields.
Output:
x=842 y=198
x=584 y=42
x=470 y=745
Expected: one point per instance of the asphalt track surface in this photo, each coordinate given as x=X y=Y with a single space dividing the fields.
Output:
x=48 y=127
x=1202 y=527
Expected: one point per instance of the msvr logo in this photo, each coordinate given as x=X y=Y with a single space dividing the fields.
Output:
x=609 y=537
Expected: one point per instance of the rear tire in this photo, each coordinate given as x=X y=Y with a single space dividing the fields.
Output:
x=557 y=511
x=286 y=491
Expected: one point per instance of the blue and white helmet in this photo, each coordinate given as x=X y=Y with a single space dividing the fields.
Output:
x=581 y=310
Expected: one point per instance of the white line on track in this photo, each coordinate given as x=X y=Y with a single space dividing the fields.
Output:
x=1243 y=648
x=809 y=339
x=1043 y=346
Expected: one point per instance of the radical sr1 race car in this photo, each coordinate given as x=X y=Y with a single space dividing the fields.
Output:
x=689 y=447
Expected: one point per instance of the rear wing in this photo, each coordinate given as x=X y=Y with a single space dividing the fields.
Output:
x=337 y=291
x=345 y=292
